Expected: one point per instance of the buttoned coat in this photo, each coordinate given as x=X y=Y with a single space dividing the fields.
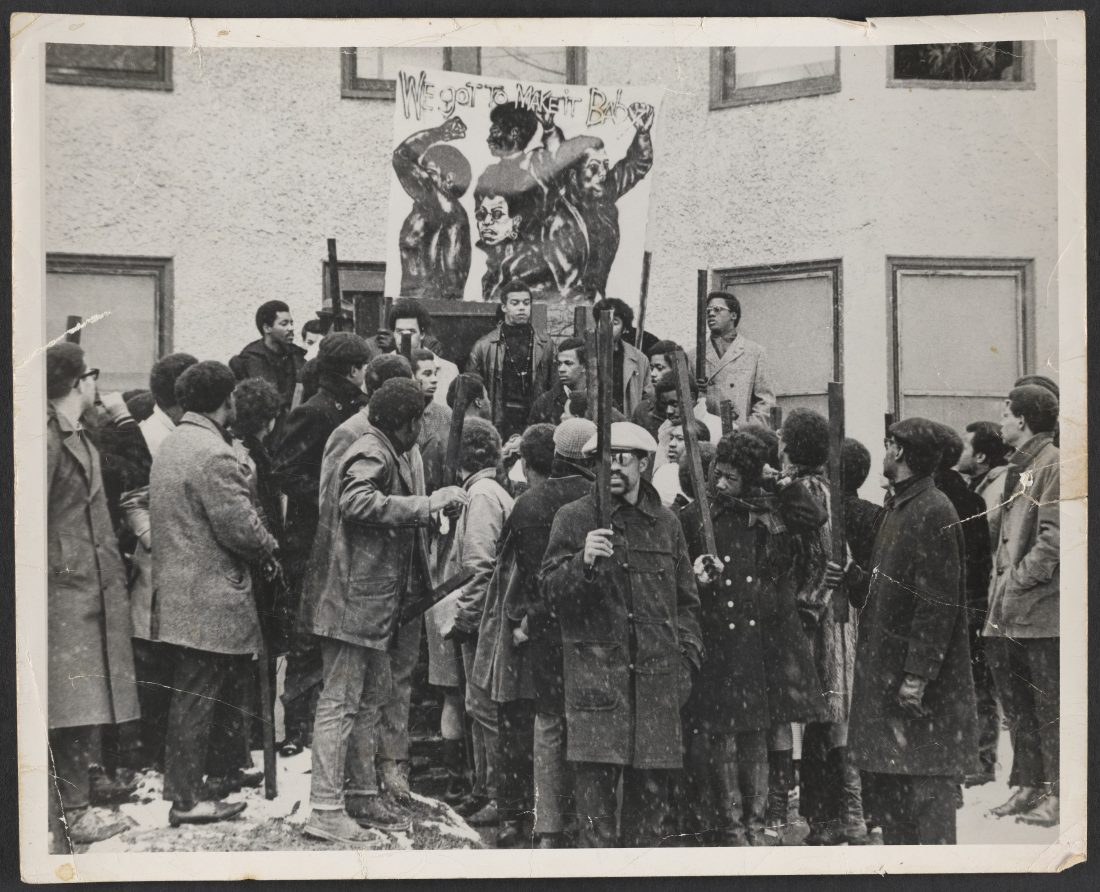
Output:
x=91 y=665
x=206 y=532
x=759 y=668
x=991 y=488
x=741 y=376
x=1024 y=592
x=630 y=632
x=914 y=623
x=487 y=360
x=371 y=546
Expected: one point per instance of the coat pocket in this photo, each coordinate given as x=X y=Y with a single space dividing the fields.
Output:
x=658 y=650
x=371 y=604
x=592 y=685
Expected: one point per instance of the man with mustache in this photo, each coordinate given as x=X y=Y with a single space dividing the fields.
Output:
x=626 y=600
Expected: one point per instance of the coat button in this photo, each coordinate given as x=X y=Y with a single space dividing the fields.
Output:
x=729 y=582
x=733 y=626
x=748 y=579
x=752 y=622
x=726 y=558
x=630 y=616
x=729 y=603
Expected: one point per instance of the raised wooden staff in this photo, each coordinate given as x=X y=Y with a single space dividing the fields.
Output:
x=643 y=296
x=73 y=322
x=836 y=494
x=335 y=295
x=407 y=346
x=728 y=415
x=888 y=422
x=702 y=284
x=580 y=321
x=691 y=446
x=775 y=415
x=605 y=378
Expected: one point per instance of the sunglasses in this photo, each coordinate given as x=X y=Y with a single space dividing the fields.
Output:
x=91 y=373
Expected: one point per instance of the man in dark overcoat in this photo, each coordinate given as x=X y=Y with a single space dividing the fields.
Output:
x=913 y=725
x=342 y=362
x=91 y=666
x=206 y=534
x=629 y=613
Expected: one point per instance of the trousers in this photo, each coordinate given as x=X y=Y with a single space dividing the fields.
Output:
x=153 y=669
x=485 y=728
x=553 y=775
x=515 y=758
x=207 y=721
x=911 y=809
x=989 y=721
x=1025 y=671
x=645 y=801
x=356 y=685
x=393 y=726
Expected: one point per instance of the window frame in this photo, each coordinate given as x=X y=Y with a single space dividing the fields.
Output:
x=731 y=277
x=454 y=59
x=161 y=79
x=1020 y=268
x=159 y=268
x=810 y=86
x=1024 y=48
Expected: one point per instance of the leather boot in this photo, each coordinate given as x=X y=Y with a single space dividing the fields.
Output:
x=853 y=824
x=458 y=784
x=1046 y=813
x=826 y=815
x=753 y=777
x=1023 y=800
x=730 y=806
x=780 y=780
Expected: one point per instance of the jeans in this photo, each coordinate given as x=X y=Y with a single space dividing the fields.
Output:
x=207 y=721
x=393 y=726
x=357 y=683
x=553 y=774
x=1026 y=673
x=483 y=712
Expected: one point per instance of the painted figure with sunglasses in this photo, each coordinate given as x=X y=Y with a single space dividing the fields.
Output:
x=628 y=607
x=735 y=366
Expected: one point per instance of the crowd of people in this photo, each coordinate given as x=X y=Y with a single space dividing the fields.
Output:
x=632 y=682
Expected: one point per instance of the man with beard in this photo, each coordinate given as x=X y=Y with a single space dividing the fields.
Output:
x=435 y=237
x=629 y=613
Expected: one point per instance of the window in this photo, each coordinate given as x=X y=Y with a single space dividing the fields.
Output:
x=359 y=279
x=959 y=336
x=96 y=65
x=747 y=74
x=961 y=65
x=369 y=72
x=794 y=312
x=135 y=293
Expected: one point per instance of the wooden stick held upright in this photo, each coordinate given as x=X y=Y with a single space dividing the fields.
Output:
x=605 y=378
x=836 y=491
x=776 y=417
x=702 y=284
x=407 y=346
x=691 y=447
x=591 y=373
x=580 y=321
x=643 y=297
x=334 y=293
x=71 y=322
x=264 y=665
x=728 y=414
x=454 y=441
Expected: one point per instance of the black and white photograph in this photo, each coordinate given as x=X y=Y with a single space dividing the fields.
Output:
x=534 y=435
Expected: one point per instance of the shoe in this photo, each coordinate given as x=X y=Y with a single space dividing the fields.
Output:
x=395 y=780
x=512 y=835
x=374 y=811
x=334 y=825
x=980 y=778
x=108 y=790
x=1045 y=814
x=88 y=825
x=1023 y=800
x=874 y=837
x=853 y=823
x=208 y=811
x=292 y=746
x=486 y=816
x=550 y=841
x=822 y=835
x=246 y=777
x=471 y=804
x=777 y=808
x=458 y=785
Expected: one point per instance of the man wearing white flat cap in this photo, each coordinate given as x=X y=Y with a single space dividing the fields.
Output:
x=629 y=614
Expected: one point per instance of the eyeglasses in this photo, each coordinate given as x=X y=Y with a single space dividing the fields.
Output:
x=91 y=373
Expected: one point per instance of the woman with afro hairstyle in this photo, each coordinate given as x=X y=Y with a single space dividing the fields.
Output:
x=759 y=671
x=831 y=798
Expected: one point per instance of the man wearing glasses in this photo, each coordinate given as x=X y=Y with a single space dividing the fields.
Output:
x=629 y=612
x=913 y=724
x=735 y=365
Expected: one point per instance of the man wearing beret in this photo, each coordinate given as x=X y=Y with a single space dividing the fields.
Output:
x=342 y=364
x=629 y=613
x=1021 y=630
x=91 y=667
x=913 y=722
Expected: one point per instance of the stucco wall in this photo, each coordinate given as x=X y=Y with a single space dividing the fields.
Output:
x=253 y=160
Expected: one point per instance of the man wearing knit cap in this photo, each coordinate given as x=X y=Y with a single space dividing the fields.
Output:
x=371 y=553
x=1021 y=630
x=91 y=668
x=342 y=363
x=629 y=614
x=913 y=728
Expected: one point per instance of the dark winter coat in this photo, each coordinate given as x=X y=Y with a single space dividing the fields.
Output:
x=91 y=664
x=630 y=632
x=279 y=368
x=371 y=547
x=977 y=557
x=487 y=360
x=550 y=405
x=297 y=458
x=914 y=623
x=759 y=668
x=207 y=534
x=529 y=527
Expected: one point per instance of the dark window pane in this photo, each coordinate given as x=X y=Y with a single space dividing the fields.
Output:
x=971 y=62
x=93 y=57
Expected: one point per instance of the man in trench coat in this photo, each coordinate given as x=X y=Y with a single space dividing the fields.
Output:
x=629 y=613
x=91 y=665
x=913 y=724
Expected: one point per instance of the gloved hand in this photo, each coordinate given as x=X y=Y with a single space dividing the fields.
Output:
x=911 y=696
x=708 y=569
